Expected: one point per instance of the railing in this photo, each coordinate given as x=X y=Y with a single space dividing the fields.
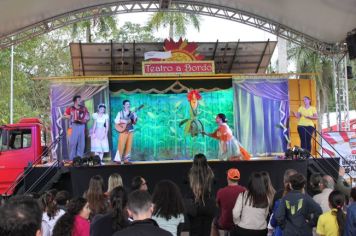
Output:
x=21 y=177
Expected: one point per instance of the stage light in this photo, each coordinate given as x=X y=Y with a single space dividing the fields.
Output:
x=297 y=153
x=85 y=161
x=77 y=161
x=96 y=160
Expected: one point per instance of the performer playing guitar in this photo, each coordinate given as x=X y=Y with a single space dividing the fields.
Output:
x=125 y=119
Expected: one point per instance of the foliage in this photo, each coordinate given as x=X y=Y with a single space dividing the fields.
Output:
x=131 y=32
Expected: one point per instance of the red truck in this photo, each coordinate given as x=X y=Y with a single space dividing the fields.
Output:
x=21 y=145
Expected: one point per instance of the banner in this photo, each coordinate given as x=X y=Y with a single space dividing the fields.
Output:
x=177 y=67
x=343 y=143
x=157 y=55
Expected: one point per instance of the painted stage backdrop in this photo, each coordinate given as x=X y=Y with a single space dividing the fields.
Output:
x=157 y=134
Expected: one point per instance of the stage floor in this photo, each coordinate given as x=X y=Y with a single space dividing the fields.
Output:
x=76 y=179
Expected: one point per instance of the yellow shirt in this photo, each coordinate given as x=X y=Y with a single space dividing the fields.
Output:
x=306 y=112
x=327 y=224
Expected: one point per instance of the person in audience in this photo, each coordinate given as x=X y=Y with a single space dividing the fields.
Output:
x=116 y=219
x=350 y=225
x=341 y=184
x=95 y=196
x=226 y=199
x=326 y=186
x=51 y=213
x=314 y=184
x=20 y=216
x=114 y=181
x=201 y=206
x=75 y=222
x=252 y=207
x=168 y=206
x=62 y=199
x=297 y=213
x=139 y=183
x=140 y=208
x=332 y=222
x=270 y=189
x=280 y=193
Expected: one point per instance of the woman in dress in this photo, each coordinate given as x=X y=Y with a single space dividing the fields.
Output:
x=229 y=147
x=99 y=136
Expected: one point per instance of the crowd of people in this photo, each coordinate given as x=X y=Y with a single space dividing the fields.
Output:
x=327 y=208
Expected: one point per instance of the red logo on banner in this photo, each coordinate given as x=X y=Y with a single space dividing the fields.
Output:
x=170 y=67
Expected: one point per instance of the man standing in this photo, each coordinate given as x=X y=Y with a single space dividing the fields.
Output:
x=78 y=116
x=327 y=186
x=125 y=118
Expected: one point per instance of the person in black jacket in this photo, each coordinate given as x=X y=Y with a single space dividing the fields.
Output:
x=140 y=208
x=297 y=213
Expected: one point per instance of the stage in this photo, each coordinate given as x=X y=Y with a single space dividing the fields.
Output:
x=76 y=179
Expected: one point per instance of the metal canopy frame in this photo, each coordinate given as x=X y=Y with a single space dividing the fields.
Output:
x=207 y=9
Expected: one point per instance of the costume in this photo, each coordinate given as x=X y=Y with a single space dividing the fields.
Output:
x=229 y=147
x=99 y=139
x=327 y=224
x=124 y=144
x=306 y=127
x=78 y=118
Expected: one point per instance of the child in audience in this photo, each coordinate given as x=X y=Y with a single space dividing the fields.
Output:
x=114 y=181
x=95 y=195
x=332 y=222
x=51 y=213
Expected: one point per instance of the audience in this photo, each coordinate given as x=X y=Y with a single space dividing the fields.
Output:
x=168 y=206
x=75 y=222
x=116 y=219
x=140 y=208
x=62 y=199
x=326 y=186
x=350 y=225
x=297 y=213
x=341 y=184
x=139 y=183
x=201 y=206
x=332 y=222
x=51 y=213
x=114 y=181
x=20 y=216
x=252 y=207
x=270 y=189
x=314 y=184
x=95 y=196
x=226 y=199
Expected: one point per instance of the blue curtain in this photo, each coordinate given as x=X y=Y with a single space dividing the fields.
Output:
x=262 y=111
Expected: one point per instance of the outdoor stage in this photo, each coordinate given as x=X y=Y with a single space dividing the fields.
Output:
x=76 y=179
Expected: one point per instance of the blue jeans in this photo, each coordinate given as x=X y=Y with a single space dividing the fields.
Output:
x=305 y=135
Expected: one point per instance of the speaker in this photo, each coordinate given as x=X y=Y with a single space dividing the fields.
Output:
x=351 y=45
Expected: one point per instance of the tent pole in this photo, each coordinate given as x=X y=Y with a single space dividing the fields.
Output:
x=12 y=86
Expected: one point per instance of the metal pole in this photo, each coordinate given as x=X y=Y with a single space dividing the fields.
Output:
x=12 y=86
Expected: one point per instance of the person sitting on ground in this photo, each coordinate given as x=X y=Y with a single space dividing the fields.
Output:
x=226 y=199
x=138 y=183
x=116 y=219
x=20 y=216
x=350 y=225
x=51 y=213
x=297 y=213
x=75 y=222
x=168 y=206
x=114 y=181
x=200 y=205
x=140 y=208
x=95 y=195
x=326 y=186
x=252 y=207
x=332 y=222
x=62 y=199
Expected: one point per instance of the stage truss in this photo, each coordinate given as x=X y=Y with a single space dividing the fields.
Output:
x=206 y=9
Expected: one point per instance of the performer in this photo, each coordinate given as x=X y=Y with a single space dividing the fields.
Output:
x=229 y=147
x=99 y=135
x=306 y=114
x=125 y=116
x=78 y=116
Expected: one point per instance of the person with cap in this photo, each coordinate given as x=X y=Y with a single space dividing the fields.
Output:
x=226 y=199
x=99 y=132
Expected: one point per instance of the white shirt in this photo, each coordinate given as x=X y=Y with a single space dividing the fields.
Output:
x=323 y=199
x=48 y=224
x=170 y=225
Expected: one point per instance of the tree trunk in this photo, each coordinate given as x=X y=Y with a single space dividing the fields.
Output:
x=171 y=29
x=88 y=34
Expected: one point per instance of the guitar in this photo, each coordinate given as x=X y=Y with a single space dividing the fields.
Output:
x=122 y=127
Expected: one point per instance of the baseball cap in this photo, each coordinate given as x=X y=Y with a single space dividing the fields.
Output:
x=233 y=174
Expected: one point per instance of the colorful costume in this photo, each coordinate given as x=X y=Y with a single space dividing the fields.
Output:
x=99 y=139
x=229 y=147
x=124 y=144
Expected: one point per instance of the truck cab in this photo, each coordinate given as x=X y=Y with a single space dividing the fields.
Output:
x=21 y=145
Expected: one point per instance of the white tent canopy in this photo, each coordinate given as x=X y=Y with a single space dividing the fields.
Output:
x=328 y=21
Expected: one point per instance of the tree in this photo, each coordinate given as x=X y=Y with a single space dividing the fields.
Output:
x=176 y=21
x=130 y=32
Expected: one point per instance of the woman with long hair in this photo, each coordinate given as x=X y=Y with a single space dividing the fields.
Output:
x=270 y=189
x=201 y=207
x=99 y=136
x=51 y=213
x=75 y=222
x=252 y=207
x=95 y=196
x=116 y=219
x=229 y=147
x=114 y=181
x=168 y=206
x=333 y=221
